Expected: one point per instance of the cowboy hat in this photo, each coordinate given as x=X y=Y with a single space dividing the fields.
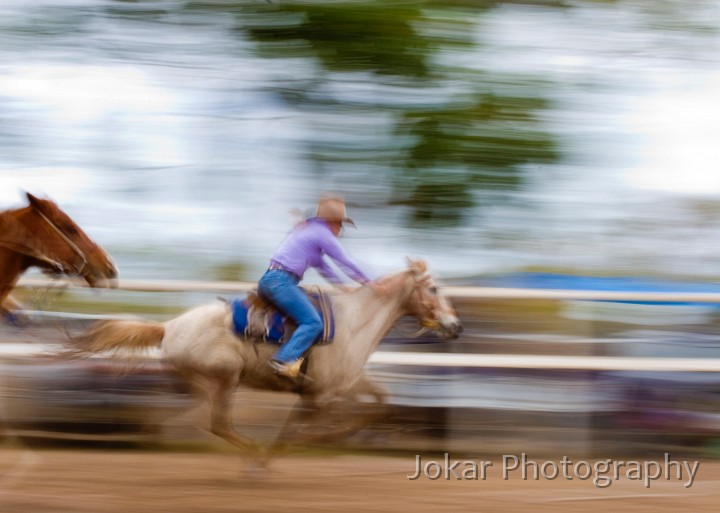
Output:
x=332 y=208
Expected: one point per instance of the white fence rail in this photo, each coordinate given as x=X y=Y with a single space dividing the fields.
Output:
x=453 y=292
x=597 y=363
x=462 y=360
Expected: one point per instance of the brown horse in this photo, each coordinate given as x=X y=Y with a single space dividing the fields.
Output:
x=201 y=347
x=41 y=235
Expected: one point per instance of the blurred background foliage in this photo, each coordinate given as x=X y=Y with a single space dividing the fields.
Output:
x=427 y=122
x=390 y=90
x=542 y=132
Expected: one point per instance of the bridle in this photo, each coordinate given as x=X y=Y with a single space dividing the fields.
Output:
x=427 y=319
x=82 y=269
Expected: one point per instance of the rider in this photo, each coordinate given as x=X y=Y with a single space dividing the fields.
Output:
x=305 y=247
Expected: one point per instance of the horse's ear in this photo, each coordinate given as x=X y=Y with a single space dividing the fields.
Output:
x=39 y=205
x=421 y=266
x=34 y=202
x=417 y=266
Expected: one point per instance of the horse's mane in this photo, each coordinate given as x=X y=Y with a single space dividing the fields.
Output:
x=391 y=278
x=10 y=213
x=48 y=207
x=15 y=236
x=416 y=266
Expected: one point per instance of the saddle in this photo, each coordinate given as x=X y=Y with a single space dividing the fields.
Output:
x=255 y=318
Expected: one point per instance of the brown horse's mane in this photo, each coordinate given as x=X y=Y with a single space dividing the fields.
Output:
x=16 y=237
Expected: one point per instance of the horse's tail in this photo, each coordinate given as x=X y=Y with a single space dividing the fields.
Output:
x=119 y=337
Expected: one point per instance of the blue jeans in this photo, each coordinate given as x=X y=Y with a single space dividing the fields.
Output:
x=281 y=287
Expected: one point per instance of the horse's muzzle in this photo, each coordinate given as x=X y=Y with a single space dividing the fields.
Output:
x=103 y=277
x=451 y=329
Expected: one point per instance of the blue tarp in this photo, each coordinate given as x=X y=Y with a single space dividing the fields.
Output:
x=610 y=284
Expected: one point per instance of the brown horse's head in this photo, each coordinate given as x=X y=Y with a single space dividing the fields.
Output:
x=429 y=305
x=68 y=246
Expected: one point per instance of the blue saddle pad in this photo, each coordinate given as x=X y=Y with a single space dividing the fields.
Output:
x=279 y=325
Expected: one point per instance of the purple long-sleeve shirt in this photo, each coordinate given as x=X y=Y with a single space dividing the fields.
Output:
x=305 y=247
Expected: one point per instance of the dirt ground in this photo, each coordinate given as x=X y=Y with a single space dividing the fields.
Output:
x=93 y=480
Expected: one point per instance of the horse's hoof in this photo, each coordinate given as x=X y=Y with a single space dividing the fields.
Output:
x=255 y=471
x=263 y=458
x=17 y=319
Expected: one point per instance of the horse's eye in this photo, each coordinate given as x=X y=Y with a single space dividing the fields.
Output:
x=71 y=230
x=433 y=290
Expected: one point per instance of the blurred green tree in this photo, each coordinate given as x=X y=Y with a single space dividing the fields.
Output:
x=391 y=86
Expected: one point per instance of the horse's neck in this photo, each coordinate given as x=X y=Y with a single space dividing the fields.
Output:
x=12 y=265
x=367 y=318
x=17 y=237
x=16 y=246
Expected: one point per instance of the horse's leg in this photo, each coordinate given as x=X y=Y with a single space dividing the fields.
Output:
x=327 y=425
x=303 y=410
x=341 y=419
x=221 y=419
x=9 y=303
x=375 y=413
x=216 y=391
x=9 y=310
x=309 y=423
x=367 y=387
x=318 y=425
x=369 y=412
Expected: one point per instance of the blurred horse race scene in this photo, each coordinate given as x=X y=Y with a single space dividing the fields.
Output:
x=359 y=255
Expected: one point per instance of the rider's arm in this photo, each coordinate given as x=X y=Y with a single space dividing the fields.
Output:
x=328 y=273
x=333 y=249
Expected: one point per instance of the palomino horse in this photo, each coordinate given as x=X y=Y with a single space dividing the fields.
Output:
x=202 y=348
x=42 y=235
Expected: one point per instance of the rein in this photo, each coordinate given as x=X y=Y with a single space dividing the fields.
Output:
x=420 y=332
x=80 y=270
